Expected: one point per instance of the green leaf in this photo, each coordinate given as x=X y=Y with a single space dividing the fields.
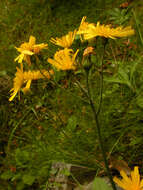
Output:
x=20 y=185
x=100 y=184
x=93 y=59
x=133 y=68
x=22 y=156
x=122 y=78
x=115 y=80
x=123 y=75
x=139 y=101
x=28 y=179
x=6 y=175
x=44 y=171
x=16 y=176
x=3 y=73
x=134 y=111
x=72 y=123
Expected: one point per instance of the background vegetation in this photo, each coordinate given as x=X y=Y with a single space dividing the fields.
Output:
x=56 y=124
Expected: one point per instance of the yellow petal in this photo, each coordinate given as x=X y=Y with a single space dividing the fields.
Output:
x=119 y=182
x=27 y=52
x=27 y=87
x=125 y=177
x=135 y=176
x=32 y=40
x=19 y=58
x=12 y=97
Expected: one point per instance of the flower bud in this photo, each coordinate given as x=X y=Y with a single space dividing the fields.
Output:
x=86 y=61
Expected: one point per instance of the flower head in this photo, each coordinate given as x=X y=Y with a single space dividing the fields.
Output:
x=88 y=51
x=64 y=59
x=106 y=31
x=17 y=83
x=29 y=48
x=65 y=41
x=22 y=78
x=130 y=183
x=84 y=26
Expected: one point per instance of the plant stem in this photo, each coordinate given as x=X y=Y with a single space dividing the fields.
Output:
x=101 y=86
x=77 y=182
x=99 y=133
x=138 y=28
x=14 y=129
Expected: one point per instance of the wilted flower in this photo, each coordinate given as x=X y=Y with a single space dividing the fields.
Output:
x=65 y=41
x=29 y=48
x=26 y=77
x=64 y=59
x=88 y=51
x=130 y=183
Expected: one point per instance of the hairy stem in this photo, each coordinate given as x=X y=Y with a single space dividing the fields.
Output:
x=99 y=134
x=96 y=114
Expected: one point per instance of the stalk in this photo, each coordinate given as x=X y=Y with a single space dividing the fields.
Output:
x=99 y=135
x=96 y=114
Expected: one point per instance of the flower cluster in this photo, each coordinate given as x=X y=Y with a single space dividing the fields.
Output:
x=27 y=49
x=64 y=59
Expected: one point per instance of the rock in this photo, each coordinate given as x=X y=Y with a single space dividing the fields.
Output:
x=59 y=178
x=64 y=180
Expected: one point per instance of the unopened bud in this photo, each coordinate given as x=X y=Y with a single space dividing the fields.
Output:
x=88 y=51
x=87 y=64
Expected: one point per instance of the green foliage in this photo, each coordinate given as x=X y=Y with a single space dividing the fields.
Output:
x=120 y=16
x=100 y=184
x=7 y=175
x=126 y=75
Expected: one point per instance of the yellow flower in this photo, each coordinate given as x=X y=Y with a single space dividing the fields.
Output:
x=26 y=77
x=35 y=75
x=29 y=48
x=64 y=59
x=106 y=31
x=65 y=41
x=84 y=26
x=130 y=183
x=17 y=83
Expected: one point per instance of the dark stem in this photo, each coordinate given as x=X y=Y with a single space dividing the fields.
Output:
x=105 y=41
x=99 y=133
x=101 y=85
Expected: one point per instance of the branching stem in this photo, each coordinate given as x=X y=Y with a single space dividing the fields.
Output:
x=96 y=114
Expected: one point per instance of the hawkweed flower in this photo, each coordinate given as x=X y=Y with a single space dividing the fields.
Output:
x=22 y=78
x=64 y=59
x=27 y=49
x=130 y=183
x=84 y=26
x=106 y=31
x=17 y=83
x=65 y=41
